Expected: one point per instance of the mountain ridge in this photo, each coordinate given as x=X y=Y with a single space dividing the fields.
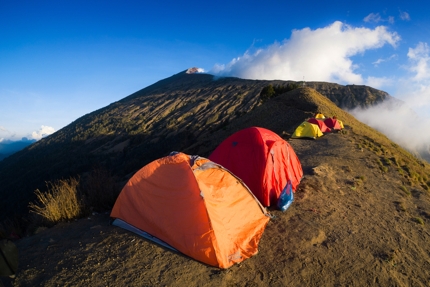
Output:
x=177 y=113
x=360 y=216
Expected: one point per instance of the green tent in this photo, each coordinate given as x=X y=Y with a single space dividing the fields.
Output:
x=307 y=130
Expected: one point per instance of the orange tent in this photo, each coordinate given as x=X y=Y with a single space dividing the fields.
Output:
x=262 y=159
x=195 y=206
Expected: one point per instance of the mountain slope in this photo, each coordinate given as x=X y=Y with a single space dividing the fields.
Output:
x=361 y=217
x=187 y=112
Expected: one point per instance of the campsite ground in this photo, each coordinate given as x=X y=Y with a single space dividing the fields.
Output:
x=351 y=225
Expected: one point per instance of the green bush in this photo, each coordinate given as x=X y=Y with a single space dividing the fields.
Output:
x=267 y=92
x=271 y=91
x=419 y=220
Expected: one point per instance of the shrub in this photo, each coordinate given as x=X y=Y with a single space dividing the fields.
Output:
x=59 y=203
x=405 y=190
x=100 y=190
x=271 y=91
x=387 y=161
x=401 y=206
x=267 y=92
x=414 y=176
x=395 y=161
x=419 y=220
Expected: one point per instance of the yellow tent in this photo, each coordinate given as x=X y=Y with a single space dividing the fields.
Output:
x=319 y=116
x=307 y=130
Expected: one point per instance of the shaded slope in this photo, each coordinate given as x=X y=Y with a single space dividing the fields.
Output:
x=127 y=134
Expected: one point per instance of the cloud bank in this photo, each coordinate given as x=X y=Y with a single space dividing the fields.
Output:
x=405 y=123
x=4 y=130
x=323 y=54
x=399 y=123
x=42 y=132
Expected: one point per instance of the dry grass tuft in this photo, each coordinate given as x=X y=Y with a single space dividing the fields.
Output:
x=59 y=203
x=405 y=190
x=66 y=199
x=400 y=206
x=419 y=220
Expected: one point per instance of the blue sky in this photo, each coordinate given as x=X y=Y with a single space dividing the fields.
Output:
x=60 y=60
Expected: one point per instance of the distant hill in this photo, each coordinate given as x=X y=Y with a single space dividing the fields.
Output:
x=8 y=147
x=350 y=96
x=186 y=112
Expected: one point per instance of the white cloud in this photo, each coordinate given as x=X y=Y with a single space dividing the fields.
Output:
x=376 y=18
x=415 y=89
x=373 y=17
x=378 y=83
x=323 y=54
x=419 y=61
x=379 y=61
x=420 y=99
x=404 y=16
x=416 y=95
x=399 y=123
x=406 y=124
x=42 y=132
x=3 y=129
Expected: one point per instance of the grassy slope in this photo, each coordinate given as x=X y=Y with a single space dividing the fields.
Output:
x=356 y=220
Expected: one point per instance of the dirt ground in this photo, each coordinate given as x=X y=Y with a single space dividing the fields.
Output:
x=350 y=225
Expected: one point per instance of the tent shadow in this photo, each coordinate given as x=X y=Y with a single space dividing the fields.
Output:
x=215 y=270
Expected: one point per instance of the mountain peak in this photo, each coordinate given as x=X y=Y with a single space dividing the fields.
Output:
x=194 y=70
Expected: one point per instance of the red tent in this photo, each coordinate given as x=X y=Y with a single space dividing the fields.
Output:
x=320 y=123
x=262 y=159
x=333 y=124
